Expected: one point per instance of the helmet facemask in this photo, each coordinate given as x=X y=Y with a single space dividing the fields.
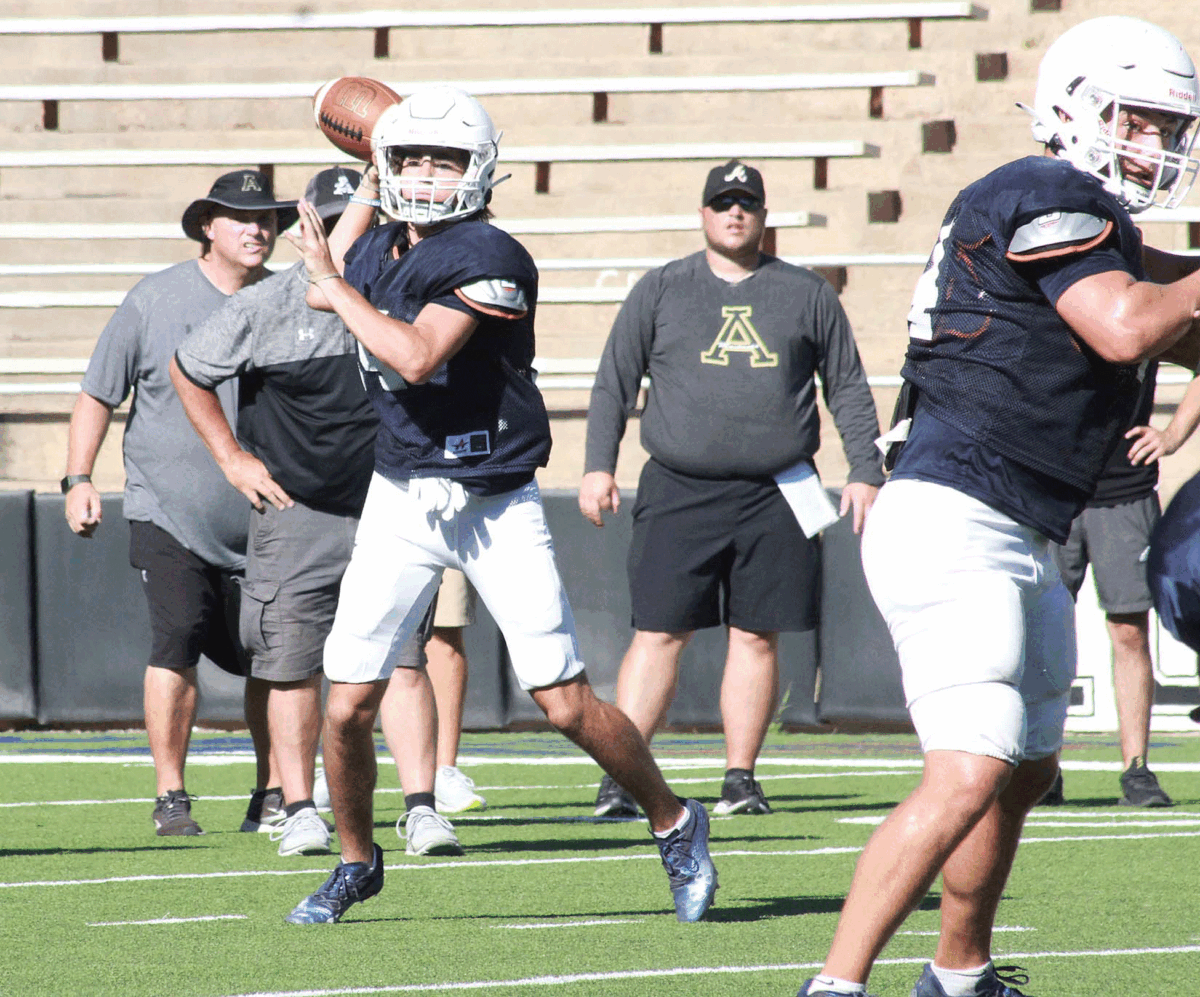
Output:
x=428 y=200
x=1100 y=69
x=1092 y=145
x=433 y=120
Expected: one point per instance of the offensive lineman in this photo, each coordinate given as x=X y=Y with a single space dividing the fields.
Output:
x=1028 y=329
x=442 y=306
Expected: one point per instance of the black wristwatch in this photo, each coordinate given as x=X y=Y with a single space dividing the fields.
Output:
x=71 y=480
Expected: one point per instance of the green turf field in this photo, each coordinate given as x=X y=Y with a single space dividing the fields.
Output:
x=549 y=901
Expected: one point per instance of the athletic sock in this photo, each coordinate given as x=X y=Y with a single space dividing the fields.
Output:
x=960 y=982
x=294 y=808
x=834 y=985
x=748 y=773
x=414 y=800
x=674 y=827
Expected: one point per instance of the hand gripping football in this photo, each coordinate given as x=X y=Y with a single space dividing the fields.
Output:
x=346 y=110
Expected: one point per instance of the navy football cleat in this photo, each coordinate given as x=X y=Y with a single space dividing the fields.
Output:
x=348 y=884
x=691 y=872
x=998 y=981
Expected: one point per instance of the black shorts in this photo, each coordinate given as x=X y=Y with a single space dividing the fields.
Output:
x=193 y=606
x=709 y=552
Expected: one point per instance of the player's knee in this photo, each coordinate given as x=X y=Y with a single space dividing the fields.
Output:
x=350 y=709
x=1030 y=783
x=566 y=706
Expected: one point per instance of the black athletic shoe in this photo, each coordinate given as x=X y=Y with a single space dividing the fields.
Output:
x=613 y=801
x=173 y=814
x=740 y=794
x=265 y=811
x=1140 y=788
x=1054 y=795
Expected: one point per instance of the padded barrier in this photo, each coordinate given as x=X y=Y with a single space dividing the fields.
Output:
x=94 y=628
x=17 y=682
x=860 y=673
x=93 y=632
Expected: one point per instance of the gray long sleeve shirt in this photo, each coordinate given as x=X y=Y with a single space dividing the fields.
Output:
x=732 y=390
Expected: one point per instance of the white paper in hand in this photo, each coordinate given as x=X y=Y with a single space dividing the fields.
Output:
x=810 y=504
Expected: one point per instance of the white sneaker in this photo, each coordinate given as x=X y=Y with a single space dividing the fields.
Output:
x=455 y=792
x=428 y=833
x=321 y=791
x=304 y=833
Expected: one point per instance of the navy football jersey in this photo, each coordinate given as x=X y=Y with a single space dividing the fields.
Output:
x=480 y=419
x=1173 y=565
x=989 y=353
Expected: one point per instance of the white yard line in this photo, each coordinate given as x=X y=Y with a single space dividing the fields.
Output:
x=571 y=924
x=170 y=920
x=935 y=934
x=667 y=764
x=467 y=864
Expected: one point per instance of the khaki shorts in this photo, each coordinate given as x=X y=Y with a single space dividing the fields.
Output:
x=456 y=601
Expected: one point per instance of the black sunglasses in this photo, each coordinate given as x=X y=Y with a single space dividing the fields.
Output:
x=723 y=202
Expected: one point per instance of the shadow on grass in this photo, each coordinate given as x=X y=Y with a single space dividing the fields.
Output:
x=134 y=850
x=747 y=911
x=805 y=805
x=760 y=908
x=1083 y=803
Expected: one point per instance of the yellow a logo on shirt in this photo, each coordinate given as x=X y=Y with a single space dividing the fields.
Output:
x=738 y=335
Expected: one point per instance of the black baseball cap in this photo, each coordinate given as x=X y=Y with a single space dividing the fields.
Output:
x=734 y=175
x=329 y=191
x=246 y=190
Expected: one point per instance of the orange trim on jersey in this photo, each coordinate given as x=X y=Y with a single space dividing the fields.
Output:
x=495 y=312
x=1074 y=247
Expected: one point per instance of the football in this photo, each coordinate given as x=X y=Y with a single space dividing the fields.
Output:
x=346 y=110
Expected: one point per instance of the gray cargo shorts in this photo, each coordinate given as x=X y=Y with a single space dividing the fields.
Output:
x=295 y=560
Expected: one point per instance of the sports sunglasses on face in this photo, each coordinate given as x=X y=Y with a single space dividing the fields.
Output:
x=723 y=202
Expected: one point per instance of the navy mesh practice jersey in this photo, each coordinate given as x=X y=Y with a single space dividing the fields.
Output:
x=988 y=352
x=1173 y=566
x=480 y=418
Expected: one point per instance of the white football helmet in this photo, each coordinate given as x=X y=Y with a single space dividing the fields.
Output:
x=438 y=117
x=1090 y=73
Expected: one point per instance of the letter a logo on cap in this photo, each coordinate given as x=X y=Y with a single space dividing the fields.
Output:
x=737 y=173
x=250 y=182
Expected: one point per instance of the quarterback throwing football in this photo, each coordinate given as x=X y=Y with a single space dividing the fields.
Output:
x=1027 y=330
x=442 y=306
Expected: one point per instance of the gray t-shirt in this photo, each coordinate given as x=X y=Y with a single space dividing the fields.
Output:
x=303 y=409
x=171 y=479
x=731 y=370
